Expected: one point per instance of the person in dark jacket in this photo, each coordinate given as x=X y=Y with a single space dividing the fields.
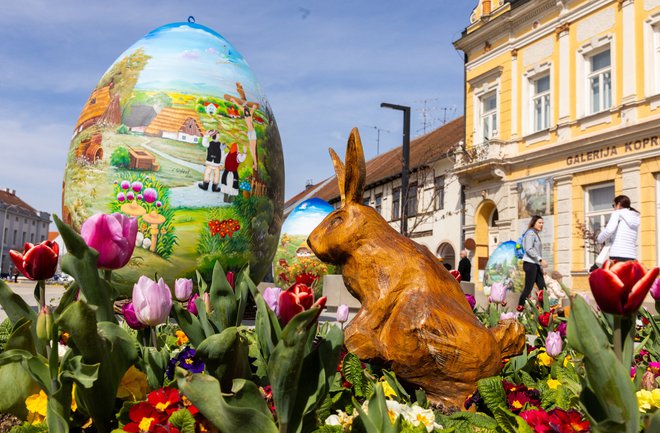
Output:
x=464 y=266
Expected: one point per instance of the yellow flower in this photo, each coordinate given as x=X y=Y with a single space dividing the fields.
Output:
x=74 y=405
x=644 y=400
x=181 y=337
x=388 y=390
x=37 y=405
x=567 y=360
x=655 y=394
x=553 y=383
x=544 y=359
x=133 y=385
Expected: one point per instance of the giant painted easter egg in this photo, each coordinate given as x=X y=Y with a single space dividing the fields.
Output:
x=504 y=267
x=179 y=134
x=294 y=260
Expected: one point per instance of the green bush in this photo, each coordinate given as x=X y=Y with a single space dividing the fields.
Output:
x=120 y=158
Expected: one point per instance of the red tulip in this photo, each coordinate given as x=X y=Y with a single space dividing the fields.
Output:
x=454 y=273
x=620 y=288
x=297 y=299
x=38 y=262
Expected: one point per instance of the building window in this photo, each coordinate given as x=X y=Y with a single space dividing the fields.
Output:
x=598 y=207
x=654 y=61
x=396 y=203
x=23 y=238
x=15 y=237
x=379 y=203
x=366 y=200
x=32 y=238
x=439 y=193
x=488 y=116
x=599 y=81
x=541 y=103
x=411 y=208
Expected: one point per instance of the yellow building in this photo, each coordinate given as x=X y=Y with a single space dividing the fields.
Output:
x=562 y=113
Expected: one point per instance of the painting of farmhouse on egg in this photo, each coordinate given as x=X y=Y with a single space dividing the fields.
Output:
x=178 y=134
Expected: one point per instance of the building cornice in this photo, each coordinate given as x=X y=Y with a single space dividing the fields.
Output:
x=507 y=25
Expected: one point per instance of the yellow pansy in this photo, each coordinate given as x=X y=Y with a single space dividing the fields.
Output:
x=553 y=383
x=544 y=359
x=644 y=400
x=37 y=405
x=133 y=385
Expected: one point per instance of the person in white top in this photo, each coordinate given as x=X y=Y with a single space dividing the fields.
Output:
x=622 y=230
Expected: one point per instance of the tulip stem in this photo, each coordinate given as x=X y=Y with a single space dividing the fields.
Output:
x=616 y=338
x=623 y=336
x=154 y=339
x=107 y=275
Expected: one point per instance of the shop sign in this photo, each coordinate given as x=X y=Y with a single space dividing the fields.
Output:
x=614 y=150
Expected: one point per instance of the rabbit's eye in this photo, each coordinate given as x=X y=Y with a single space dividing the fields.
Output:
x=335 y=221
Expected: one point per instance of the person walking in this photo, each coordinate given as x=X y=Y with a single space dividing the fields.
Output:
x=622 y=229
x=532 y=260
x=464 y=266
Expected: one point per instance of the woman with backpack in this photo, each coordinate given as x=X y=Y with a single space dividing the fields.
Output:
x=622 y=230
x=532 y=260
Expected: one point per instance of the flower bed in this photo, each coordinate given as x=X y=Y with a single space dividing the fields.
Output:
x=179 y=359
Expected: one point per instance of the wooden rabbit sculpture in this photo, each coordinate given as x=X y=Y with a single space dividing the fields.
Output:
x=414 y=316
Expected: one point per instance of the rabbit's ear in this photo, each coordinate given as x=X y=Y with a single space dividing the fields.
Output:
x=339 y=172
x=356 y=169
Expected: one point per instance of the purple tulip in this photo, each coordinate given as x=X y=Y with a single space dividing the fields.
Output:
x=183 y=288
x=192 y=308
x=342 y=313
x=271 y=296
x=508 y=316
x=152 y=301
x=471 y=300
x=553 y=344
x=129 y=316
x=121 y=197
x=139 y=197
x=130 y=196
x=125 y=184
x=113 y=236
x=655 y=289
x=497 y=293
x=561 y=328
x=159 y=203
x=150 y=195
x=137 y=186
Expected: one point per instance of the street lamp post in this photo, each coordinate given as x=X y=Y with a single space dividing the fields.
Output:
x=406 y=162
x=2 y=236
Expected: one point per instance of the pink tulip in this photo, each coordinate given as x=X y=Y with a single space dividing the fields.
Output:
x=655 y=289
x=231 y=277
x=342 y=313
x=113 y=236
x=553 y=344
x=497 y=293
x=131 y=319
x=152 y=301
x=183 y=288
x=271 y=295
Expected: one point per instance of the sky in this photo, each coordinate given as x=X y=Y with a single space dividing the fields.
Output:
x=324 y=66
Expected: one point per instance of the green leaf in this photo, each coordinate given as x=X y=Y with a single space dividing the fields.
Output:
x=14 y=377
x=608 y=395
x=285 y=366
x=510 y=422
x=267 y=327
x=106 y=344
x=183 y=420
x=204 y=392
x=226 y=356
x=155 y=363
x=83 y=374
x=492 y=391
x=222 y=299
x=80 y=263
x=357 y=376
x=17 y=309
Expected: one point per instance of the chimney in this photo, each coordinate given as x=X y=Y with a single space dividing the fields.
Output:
x=485 y=7
x=308 y=184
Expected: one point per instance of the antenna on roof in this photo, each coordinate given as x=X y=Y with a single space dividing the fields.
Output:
x=428 y=110
x=378 y=138
x=309 y=183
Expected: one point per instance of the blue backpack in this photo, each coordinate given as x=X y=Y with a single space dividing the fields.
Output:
x=520 y=250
